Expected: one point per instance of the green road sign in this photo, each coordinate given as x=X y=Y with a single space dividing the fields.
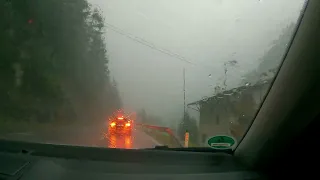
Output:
x=221 y=142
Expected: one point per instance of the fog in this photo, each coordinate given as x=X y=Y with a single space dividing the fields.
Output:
x=201 y=36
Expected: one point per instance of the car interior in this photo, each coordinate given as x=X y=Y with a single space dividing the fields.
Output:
x=281 y=141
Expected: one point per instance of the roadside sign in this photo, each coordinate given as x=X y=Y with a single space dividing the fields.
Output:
x=221 y=142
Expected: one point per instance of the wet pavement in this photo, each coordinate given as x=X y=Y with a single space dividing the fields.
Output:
x=87 y=136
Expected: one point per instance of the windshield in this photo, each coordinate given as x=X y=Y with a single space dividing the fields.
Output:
x=181 y=73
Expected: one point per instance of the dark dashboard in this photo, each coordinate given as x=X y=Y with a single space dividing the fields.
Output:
x=29 y=161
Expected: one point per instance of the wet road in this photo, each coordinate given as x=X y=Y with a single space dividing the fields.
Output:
x=87 y=136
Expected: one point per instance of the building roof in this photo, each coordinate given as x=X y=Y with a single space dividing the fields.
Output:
x=231 y=91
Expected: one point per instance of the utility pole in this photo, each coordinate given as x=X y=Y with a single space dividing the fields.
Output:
x=184 y=95
x=186 y=134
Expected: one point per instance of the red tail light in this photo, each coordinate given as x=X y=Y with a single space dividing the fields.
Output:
x=113 y=124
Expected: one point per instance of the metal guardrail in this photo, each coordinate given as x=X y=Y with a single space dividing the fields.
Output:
x=166 y=130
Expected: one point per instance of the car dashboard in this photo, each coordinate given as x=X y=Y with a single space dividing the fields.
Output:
x=29 y=161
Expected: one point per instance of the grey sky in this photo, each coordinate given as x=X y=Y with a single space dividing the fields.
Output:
x=206 y=32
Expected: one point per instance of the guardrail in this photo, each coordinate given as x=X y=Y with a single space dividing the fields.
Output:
x=163 y=135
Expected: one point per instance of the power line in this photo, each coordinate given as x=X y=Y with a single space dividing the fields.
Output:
x=161 y=50
x=148 y=44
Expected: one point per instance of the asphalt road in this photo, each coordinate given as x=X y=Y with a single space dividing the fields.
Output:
x=86 y=136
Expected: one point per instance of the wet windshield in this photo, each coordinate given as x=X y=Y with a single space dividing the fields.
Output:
x=138 y=73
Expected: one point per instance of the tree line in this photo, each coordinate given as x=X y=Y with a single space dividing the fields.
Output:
x=271 y=60
x=54 y=64
x=148 y=118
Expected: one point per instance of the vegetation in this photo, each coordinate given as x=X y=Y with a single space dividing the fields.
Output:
x=270 y=61
x=238 y=106
x=147 y=118
x=188 y=124
x=54 y=66
x=162 y=137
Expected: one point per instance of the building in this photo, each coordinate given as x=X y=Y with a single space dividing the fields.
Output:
x=229 y=112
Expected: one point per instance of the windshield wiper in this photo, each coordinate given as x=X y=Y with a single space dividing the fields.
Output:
x=191 y=149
